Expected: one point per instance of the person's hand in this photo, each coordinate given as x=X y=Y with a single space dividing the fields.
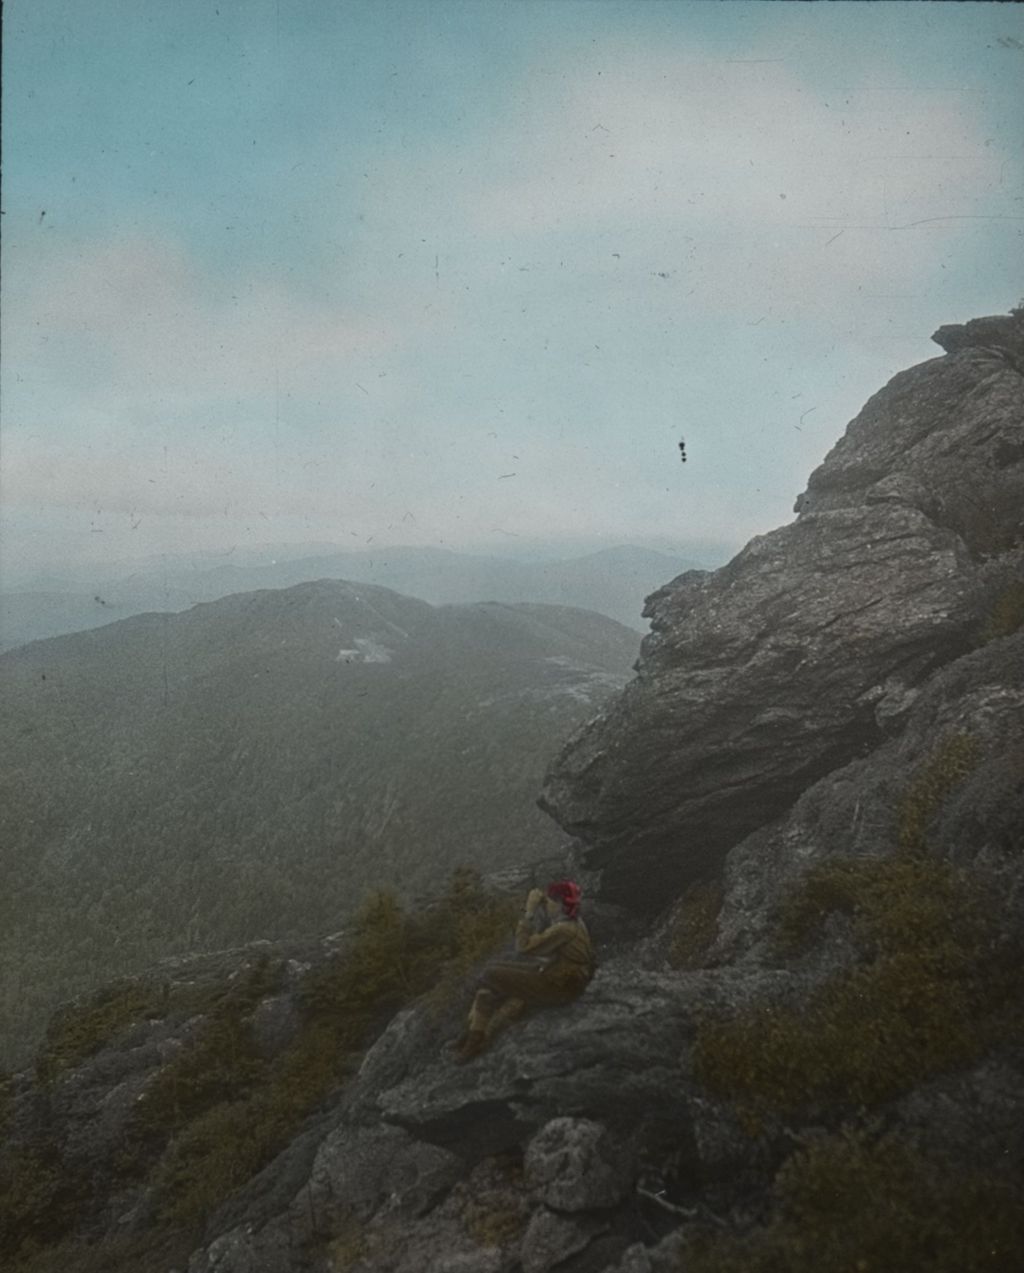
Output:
x=534 y=899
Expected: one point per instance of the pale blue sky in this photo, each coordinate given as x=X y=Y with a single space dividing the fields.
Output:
x=462 y=274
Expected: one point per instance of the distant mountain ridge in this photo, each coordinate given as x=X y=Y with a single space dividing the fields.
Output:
x=251 y=767
x=612 y=582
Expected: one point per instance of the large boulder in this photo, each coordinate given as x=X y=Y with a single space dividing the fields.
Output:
x=619 y=1056
x=760 y=678
x=946 y=437
x=574 y=1165
x=972 y=816
x=526 y=1160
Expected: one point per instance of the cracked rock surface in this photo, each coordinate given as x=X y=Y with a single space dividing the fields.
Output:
x=763 y=676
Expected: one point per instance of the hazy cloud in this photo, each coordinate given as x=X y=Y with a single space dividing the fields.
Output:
x=497 y=319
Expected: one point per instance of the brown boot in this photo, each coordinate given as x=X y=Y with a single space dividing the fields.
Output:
x=471 y=1045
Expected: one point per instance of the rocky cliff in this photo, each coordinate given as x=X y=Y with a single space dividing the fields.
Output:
x=801 y=828
x=797 y=656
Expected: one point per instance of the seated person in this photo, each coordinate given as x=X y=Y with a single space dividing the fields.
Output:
x=553 y=965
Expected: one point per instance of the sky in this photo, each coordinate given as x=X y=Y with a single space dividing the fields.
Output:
x=463 y=274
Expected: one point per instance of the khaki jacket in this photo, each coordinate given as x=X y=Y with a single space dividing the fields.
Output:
x=564 y=947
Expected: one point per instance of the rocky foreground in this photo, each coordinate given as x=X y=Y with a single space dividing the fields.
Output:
x=802 y=830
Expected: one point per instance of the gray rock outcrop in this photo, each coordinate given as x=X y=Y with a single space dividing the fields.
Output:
x=771 y=672
x=856 y=808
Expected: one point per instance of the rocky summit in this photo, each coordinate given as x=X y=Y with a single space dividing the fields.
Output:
x=800 y=831
x=758 y=678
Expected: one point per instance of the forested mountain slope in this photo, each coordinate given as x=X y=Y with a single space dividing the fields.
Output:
x=250 y=767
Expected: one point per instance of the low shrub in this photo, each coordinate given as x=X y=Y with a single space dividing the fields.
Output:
x=211 y=1157
x=130 y=1253
x=241 y=1111
x=499 y=1213
x=349 y=1245
x=219 y=1110
x=695 y=924
x=1006 y=615
x=82 y=1029
x=936 y=988
x=39 y=1198
x=990 y=524
x=220 y=1149
x=852 y=1202
x=6 y=1100
x=947 y=766
x=494 y=1226
x=468 y=926
x=895 y=903
x=220 y=1063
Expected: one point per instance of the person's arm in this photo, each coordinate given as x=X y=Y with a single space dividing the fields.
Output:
x=534 y=918
x=545 y=943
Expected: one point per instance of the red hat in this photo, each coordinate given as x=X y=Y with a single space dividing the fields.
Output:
x=568 y=893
